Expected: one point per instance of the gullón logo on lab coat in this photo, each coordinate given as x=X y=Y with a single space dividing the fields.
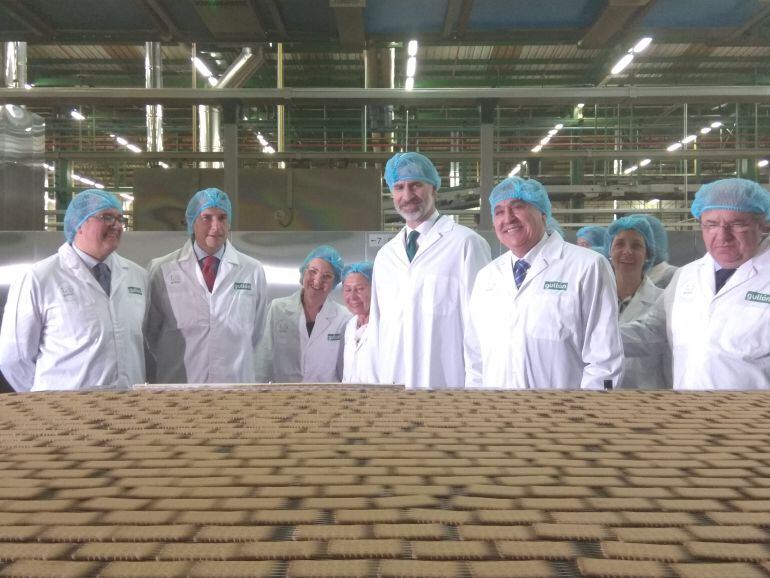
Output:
x=135 y=290
x=758 y=297
x=334 y=336
x=242 y=287
x=555 y=286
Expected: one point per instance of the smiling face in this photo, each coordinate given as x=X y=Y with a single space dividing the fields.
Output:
x=518 y=225
x=731 y=237
x=97 y=238
x=211 y=229
x=415 y=201
x=628 y=253
x=318 y=280
x=357 y=292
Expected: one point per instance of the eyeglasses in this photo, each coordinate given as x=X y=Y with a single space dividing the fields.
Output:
x=108 y=219
x=734 y=227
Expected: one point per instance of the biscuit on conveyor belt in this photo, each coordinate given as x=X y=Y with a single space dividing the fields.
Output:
x=596 y=568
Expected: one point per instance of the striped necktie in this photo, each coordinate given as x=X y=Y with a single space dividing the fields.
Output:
x=209 y=268
x=520 y=271
x=103 y=276
x=411 y=245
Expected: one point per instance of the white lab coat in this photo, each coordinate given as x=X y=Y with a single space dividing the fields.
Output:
x=62 y=332
x=357 y=365
x=286 y=354
x=717 y=341
x=650 y=371
x=194 y=336
x=661 y=274
x=418 y=309
x=558 y=330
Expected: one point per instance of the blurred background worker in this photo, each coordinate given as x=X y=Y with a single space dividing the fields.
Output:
x=662 y=271
x=74 y=320
x=422 y=282
x=544 y=314
x=303 y=339
x=715 y=314
x=631 y=249
x=592 y=237
x=357 y=292
x=208 y=302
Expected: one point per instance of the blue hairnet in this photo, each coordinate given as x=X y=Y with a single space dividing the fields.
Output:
x=362 y=267
x=633 y=223
x=553 y=226
x=594 y=234
x=411 y=167
x=84 y=205
x=328 y=254
x=661 y=239
x=740 y=195
x=527 y=190
x=207 y=199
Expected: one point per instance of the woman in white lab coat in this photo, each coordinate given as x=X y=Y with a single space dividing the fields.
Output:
x=630 y=246
x=357 y=292
x=304 y=336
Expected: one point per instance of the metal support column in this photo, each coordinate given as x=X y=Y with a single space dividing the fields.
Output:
x=487 y=176
x=153 y=78
x=231 y=164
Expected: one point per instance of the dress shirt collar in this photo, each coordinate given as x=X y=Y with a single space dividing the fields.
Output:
x=200 y=253
x=423 y=228
x=90 y=261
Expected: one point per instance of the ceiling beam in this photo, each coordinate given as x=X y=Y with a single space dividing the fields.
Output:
x=456 y=18
x=617 y=16
x=29 y=18
x=161 y=20
x=751 y=25
x=275 y=15
x=349 y=15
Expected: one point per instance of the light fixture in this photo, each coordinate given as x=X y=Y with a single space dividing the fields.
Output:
x=763 y=163
x=133 y=148
x=411 y=48
x=716 y=124
x=544 y=141
x=164 y=165
x=642 y=44
x=515 y=171
x=690 y=138
x=127 y=196
x=644 y=162
x=201 y=67
x=76 y=114
x=409 y=84
x=537 y=148
x=559 y=126
x=622 y=63
x=673 y=147
x=580 y=104
x=705 y=130
x=411 y=66
x=552 y=132
x=121 y=140
x=630 y=169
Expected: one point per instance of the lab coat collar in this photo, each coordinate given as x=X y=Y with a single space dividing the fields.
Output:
x=439 y=228
x=548 y=249
x=322 y=321
x=70 y=259
x=759 y=263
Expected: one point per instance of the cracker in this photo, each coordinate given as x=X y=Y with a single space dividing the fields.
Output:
x=362 y=490
x=622 y=504
x=110 y=504
x=368 y=516
x=279 y=550
x=410 y=531
x=144 y=569
x=494 y=491
x=46 y=506
x=214 y=517
x=330 y=532
x=450 y=550
x=186 y=504
x=512 y=569
x=57 y=568
x=329 y=569
x=449 y=517
x=729 y=533
x=234 y=533
x=718 y=570
x=658 y=535
x=420 y=501
x=740 y=518
x=638 y=551
x=602 y=518
x=594 y=568
x=385 y=548
x=559 y=491
x=419 y=569
x=285 y=517
x=198 y=551
x=157 y=533
x=495 y=532
x=116 y=551
x=749 y=505
x=685 y=505
x=19 y=533
x=32 y=551
x=233 y=569
x=728 y=551
x=537 y=550
x=481 y=503
x=659 y=518
x=509 y=516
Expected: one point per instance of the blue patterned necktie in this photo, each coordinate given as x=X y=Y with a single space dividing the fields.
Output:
x=520 y=271
x=411 y=245
x=721 y=277
x=103 y=276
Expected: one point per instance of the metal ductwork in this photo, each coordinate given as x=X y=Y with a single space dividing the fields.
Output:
x=15 y=64
x=153 y=78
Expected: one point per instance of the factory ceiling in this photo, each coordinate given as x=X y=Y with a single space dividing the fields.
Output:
x=463 y=43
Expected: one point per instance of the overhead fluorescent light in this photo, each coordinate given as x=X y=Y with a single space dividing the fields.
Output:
x=559 y=126
x=763 y=163
x=409 y=84
x=411 y=66
x=411 y=48
x=121 y=140
x=644 y=162
x=642 y=44
x=201 y=67
x=630 y=169
x=515 y=171
x=716 y=124
x=76 y=114
x=622 y=63
x=705 y=130
x=544 y=141
x=133 y=148
x=690 y=138
x=537 y=149
x=673 y=147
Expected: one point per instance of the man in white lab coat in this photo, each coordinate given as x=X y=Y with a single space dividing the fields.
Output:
x=545 y=313
x=305 y=333
x=74 y=320
x=422 y=282
x=208 y=302
x=715 y=313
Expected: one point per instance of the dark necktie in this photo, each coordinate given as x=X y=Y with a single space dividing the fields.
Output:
x=520 y=271
x=103 y=276
x=721 y=278
x=411 y=245
x=210 y=266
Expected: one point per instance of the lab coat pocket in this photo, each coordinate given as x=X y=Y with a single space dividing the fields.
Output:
x=439 y=294
x=77 y=313
x=243 y=307
x=552 y=315
x=188 y=311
